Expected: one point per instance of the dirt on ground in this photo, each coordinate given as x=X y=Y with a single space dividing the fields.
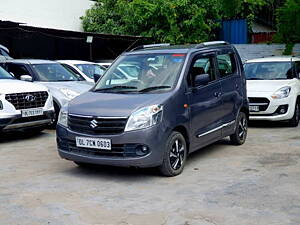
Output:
x=254 y=184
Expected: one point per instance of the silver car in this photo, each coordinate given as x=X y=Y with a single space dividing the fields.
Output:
x=62 y=83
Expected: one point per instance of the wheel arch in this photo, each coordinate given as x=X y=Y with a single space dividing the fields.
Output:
x=183 y=130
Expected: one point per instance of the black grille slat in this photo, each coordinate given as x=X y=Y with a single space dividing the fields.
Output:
x=262 y=103
x=19 y=102
x=105 y=125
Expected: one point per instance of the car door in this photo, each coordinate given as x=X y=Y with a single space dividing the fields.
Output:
x=231 y=85
x=205 y=101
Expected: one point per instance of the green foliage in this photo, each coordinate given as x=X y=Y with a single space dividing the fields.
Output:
x=184 y=21
x=173 y=21
x=288 y=49
x=288 y=27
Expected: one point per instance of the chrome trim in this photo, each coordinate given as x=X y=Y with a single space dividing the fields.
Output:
x=257 y=104
x=98 y=117
x=217 y=128
x=27 y=124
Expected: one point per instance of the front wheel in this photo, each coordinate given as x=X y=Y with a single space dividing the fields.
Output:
x=174 y=156
x=295 y=119
x=241 y=129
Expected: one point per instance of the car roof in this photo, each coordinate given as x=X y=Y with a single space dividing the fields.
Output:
x=274 y=59
x=183 y=49
x=75 y=62
x=31 y=61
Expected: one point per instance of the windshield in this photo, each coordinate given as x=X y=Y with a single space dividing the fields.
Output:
x=4 y=74
x=91 y=69
x=54 y=72
x=269 y=71
x=142 y=73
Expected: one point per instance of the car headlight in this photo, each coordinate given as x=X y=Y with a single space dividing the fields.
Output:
x=1 y=105
x=63 y=117
x=282 y=93
x=144 y=118
x=70 y=94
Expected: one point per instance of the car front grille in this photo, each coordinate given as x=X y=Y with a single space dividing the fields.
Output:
x=89 y=125
x=262 y=103
x=27 y=100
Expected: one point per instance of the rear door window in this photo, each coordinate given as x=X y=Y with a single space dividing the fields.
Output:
x=226 y=64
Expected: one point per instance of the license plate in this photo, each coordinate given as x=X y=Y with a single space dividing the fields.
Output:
x=32 y=112
x=96 y=143
x=254 y=108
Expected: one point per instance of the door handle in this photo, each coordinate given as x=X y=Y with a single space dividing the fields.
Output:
x=217 y=94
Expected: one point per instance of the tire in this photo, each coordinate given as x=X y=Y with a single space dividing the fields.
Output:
x=175 y=155
x=56 y=113
x=241 y=130
x=295 y=119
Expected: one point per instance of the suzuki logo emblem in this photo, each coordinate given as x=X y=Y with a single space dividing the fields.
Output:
x=94 y=124
x=30 y=98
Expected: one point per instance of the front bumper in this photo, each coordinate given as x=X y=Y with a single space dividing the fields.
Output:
x=123 y=151
x=17 y=122
x=271 y=113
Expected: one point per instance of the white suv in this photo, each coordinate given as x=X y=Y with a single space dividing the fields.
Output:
x=273 y=89
x=24 y=105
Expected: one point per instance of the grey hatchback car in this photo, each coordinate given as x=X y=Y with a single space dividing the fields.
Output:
x=173 y=101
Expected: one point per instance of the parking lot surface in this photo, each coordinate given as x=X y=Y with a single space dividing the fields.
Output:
x=257 y=183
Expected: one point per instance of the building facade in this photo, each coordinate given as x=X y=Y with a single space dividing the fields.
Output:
x=56 y=14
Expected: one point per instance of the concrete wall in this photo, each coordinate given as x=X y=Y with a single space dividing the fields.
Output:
x=252 y=51
x=57 y=14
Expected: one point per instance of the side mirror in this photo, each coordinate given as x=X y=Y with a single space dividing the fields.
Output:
x=96 y=77
x=201 y=79
x=26 y=78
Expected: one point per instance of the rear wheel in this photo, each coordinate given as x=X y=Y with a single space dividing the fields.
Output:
x=241 y=130
x=174 y=156
x=295 y=119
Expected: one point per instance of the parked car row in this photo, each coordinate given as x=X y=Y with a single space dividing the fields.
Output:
x=153 y=106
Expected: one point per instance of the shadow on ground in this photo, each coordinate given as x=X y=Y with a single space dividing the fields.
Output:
x=133 y=173
x=268 y=124
x=19 y=136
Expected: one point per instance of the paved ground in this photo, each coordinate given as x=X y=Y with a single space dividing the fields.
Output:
x=257 y=183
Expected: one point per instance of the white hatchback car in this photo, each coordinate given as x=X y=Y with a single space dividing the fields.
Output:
x=273 y=88
x=86 y=69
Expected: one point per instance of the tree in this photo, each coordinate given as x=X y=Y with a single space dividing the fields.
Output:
x=288 y=22
x=173 y=21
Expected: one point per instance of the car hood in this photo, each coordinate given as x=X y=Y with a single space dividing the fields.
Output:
x=9 y=86
x=77 y=86
x=266 y=85
x=113 y=105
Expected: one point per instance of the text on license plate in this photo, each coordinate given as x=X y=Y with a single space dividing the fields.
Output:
x=254 y=108
x=97 y=143
x=32 y=112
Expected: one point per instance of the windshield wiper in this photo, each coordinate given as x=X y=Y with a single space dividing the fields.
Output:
x=153 y=88
x=115 y=87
